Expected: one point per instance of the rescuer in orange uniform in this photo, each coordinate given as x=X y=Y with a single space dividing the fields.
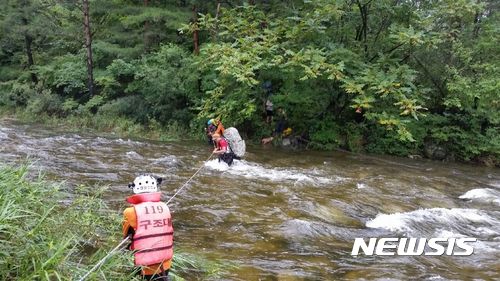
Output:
x=149 y=224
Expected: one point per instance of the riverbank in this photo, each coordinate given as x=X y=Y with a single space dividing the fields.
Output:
x=116 y=125
x=50 y=231
x=124 y=127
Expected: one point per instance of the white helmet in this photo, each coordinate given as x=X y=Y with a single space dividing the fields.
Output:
x=145 y=184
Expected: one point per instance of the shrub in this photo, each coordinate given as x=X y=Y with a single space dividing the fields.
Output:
x=354 y=136
x=45 y=103
x=14 y=94
x=381 y=141
x=66 y=75
x=326 y=135
x=133 y=107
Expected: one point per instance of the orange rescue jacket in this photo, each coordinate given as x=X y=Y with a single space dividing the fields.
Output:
x=152 y=240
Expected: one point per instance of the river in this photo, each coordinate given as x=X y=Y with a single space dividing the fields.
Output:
x=288 y=215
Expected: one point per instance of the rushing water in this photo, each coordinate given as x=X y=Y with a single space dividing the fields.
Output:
x=289 y=215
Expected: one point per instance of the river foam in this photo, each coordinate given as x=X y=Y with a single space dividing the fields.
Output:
x=243 y=168
x=407 y=221
x=482 y=194
x=444 y=223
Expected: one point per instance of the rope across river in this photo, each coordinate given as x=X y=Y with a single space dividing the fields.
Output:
x=118 y=247
x=185 y=184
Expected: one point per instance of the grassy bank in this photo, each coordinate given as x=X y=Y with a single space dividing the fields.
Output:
x=120 y=126
x=50 y=233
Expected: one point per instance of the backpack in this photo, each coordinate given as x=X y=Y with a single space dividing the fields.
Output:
x=236 y=143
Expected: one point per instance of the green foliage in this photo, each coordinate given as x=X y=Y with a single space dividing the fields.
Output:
x=326 y=135
x=14 y=94
x=113 y=80
x=354 y=136
x=465 y=138
x=382 y=141
x=132 y=106
x=69 y=105
x=382 y=65
x=9 y=73
x=65 y=74
x=38 y=235
x=474 y=82
x=93 y=103
x=165 y=80
x=45 y=103
x=249 y=47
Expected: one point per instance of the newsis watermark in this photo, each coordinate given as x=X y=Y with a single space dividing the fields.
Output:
x=414 y=246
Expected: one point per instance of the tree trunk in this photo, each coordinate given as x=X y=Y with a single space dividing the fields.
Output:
x=146 y=30
x=88 y=46
x=218 y=10
x=28 y=41
x=362 y=31
x=215 y=31
x=196 y=42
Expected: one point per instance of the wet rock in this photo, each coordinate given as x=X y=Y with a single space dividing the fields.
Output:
x=292 y=142
x=435 y=151
x=489 y=160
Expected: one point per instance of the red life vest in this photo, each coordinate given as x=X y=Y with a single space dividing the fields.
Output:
x=153 y=238
x=223 y=144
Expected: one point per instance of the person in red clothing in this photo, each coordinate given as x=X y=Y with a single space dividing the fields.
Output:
x=149 y=223
x=223 y=149
x=221 y=145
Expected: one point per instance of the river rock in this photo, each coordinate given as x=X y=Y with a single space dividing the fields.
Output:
x=435 y=151
x=292 y=142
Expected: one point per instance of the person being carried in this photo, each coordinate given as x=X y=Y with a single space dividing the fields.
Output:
x=220 y=128
x=223 y=150
x=149 y=224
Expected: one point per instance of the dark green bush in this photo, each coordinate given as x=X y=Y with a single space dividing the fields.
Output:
x=133 y=107
x=382 y=141
x=14 y=94
x=45 y=103
x=65 y=75
x=326 y=134
x=354 y=136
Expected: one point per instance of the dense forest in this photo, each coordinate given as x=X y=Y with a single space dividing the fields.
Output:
x=401 y=77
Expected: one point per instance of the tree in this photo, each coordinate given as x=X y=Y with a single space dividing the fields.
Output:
x=21 y=18
x=88 y=46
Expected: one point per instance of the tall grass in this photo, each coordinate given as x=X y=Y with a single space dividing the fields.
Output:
x=48 y=233
x=119 y=125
